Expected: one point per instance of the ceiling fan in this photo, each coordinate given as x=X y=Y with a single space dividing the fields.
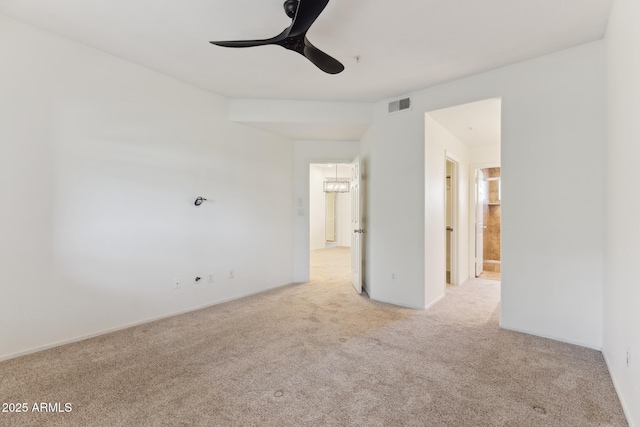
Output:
x=303 y=13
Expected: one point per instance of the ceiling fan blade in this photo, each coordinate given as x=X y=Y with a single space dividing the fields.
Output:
x=241 y=43
x=308 y=11
x=321 y=60
x=251 y=43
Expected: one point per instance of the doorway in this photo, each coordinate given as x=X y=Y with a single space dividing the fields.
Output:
x=458 y=140
x=329 y=221
x=488 y=221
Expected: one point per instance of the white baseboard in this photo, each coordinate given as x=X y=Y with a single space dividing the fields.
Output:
x=399 y=304
x=625 y=407
x=434 y=302
x=132 y=324
x=428 y=306
x=550 y=337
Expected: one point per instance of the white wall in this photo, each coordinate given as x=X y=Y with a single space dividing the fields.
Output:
x=306 y=153
x=394 y=196
x=485 y=154
x=552 y=223
x=343 y=219
x=300 y=112
x=301 y=120
x=440 y=143
x=100 y=162
x=317 y=214
x=622 y=206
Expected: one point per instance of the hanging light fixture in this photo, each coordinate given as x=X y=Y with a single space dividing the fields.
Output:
x=336 y=186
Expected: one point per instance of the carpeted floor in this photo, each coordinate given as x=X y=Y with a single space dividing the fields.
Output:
x=319 y=354
x=490 y=275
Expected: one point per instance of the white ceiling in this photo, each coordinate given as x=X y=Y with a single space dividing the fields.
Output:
x=477 y=123
x=404 y=45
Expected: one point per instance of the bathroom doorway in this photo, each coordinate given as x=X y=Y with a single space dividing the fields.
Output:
x=488 y=220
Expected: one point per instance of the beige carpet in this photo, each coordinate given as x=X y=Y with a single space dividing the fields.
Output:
x=319 y=354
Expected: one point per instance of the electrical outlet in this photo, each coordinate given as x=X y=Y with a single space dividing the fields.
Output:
x=210 y=278
x=393 y=276
x=232 y=274
x=176 y=283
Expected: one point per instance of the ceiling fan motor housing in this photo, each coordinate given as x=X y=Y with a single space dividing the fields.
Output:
x=290 y=7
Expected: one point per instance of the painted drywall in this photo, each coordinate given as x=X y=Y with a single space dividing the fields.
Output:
x=622 y=206
x=100 y=164
x=300 y=120
x=485 y=154
x=394 y=201
x=440 y=144
x=306 y=153
x=309 y=112
x=317 y=223
x=551 y=155
x=343 y=219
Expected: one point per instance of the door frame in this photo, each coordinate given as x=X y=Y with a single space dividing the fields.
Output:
x=472 y=205
x=357 y=231
x=455 y=192
x=303 y=205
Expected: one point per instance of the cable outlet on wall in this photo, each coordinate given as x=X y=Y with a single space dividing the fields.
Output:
x=197 y=280
x=232 y=274
x=176 y=283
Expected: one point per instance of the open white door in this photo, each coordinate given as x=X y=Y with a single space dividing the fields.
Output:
x=356 y=231
x=480 y=200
